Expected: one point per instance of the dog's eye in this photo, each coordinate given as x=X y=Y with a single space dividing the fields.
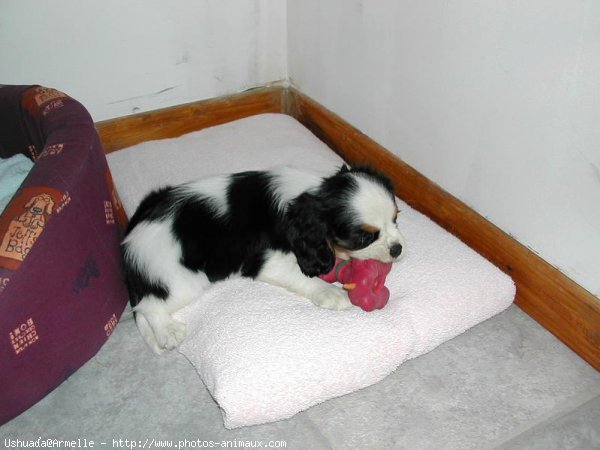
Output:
x=356 y=237
x=366 y=238
x=373 y=237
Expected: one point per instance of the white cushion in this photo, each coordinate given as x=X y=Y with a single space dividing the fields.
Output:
x=266 y=354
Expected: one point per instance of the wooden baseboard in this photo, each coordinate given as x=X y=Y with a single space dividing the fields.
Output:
x=559 y=304
x=122 y=132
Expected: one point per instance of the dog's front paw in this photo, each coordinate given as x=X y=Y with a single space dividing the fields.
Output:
x=331 y=297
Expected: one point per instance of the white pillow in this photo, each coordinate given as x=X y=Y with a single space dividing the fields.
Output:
x=266 y=354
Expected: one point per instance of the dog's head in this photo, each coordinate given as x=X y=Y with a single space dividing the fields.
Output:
x=352 y=214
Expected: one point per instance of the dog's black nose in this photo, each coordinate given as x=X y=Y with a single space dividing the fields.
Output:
x=395 y=250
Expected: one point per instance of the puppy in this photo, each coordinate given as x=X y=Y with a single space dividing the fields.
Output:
x=284 y=226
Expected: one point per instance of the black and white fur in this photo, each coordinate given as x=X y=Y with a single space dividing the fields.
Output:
x=283 y=226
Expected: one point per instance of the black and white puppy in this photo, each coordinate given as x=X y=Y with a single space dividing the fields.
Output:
x=284 y=226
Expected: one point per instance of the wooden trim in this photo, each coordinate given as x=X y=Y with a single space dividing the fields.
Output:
x=558 y=303
x=171 y=122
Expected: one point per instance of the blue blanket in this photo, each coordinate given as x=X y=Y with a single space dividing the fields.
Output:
x=13 y=171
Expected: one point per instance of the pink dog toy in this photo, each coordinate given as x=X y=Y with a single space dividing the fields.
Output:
x=363 y=279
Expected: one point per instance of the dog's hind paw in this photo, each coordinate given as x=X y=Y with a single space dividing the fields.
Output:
x=160 y=331
x=170 y=335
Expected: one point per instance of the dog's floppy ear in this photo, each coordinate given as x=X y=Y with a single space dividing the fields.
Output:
x=307 y=233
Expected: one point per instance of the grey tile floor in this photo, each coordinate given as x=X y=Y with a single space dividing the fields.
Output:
x=506 y=383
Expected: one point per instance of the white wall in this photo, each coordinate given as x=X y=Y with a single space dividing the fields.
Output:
x=496 y=101
x=119 y=57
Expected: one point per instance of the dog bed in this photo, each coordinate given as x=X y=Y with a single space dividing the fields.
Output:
x=264 y=353
x=61 y=292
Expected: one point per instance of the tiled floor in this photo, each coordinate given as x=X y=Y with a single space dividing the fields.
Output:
x=506 y=383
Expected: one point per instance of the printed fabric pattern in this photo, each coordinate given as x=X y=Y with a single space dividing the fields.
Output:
x=61 y=289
